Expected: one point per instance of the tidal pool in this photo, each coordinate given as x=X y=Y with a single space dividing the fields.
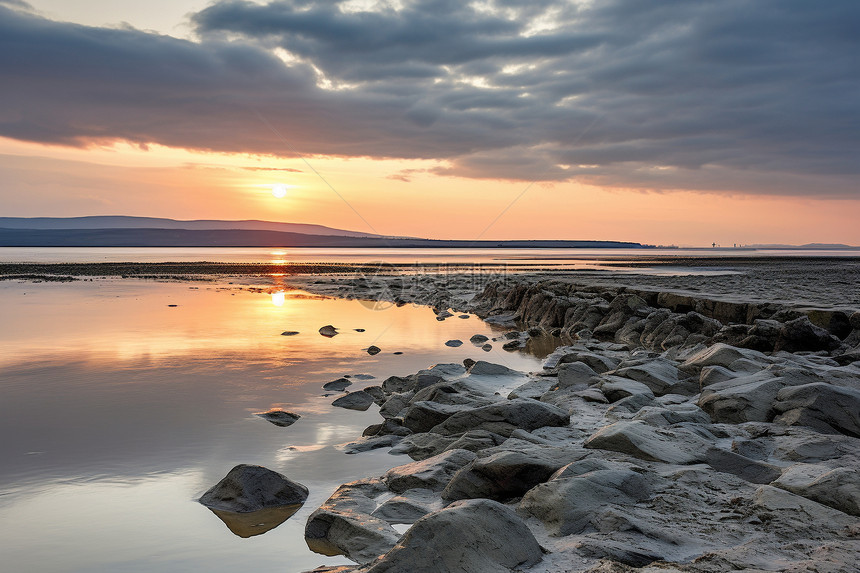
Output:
x=118 y=410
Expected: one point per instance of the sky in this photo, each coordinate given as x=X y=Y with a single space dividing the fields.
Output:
x=657 y=121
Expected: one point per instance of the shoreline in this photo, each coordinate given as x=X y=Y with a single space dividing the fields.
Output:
x=657 y=437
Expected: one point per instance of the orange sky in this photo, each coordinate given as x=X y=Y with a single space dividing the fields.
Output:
x=181 y=184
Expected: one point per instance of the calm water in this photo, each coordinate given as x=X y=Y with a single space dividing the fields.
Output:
x=118 y=411
x=577 y=258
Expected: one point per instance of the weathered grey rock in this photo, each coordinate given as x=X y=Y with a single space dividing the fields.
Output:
x=672 y=414
x=775 y=499
x=280 y=418
x=377 y=394
x=722 y=355
x=478 y=339
x=395 y=405
x=433 y=473
x=409 y=507
x=472 y=536
x=568 y=505
x=454 y=343
x=597 y=362
x=638 y=439
x=504 y=417
x=575 y=374
x=343 y=524
x=742 y=399
x=423 y=445
x=328 y=331
x=360 y=400
x=373 y=350
x=715 y=374
x=745 y=468
x=397 y=384
x=800 y=334
x=661 y=377
x=290 y=333
x=424 y=415
x=487 y=347
x=822 y=406
x=248 y=488
x=838 y=488
x=368 y=443
x=534 y=388
x=476 y=440
x=615 y=388
x=506 y=474
x=338 y=385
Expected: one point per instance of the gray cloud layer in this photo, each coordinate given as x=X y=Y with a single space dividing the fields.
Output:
x=759 y=96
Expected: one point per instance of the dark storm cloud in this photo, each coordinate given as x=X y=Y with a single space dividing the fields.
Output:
x=737 y=95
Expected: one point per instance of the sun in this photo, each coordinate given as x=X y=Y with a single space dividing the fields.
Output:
x=279 y=190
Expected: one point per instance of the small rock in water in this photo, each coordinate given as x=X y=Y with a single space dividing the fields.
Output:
x=478 y=339
x=338 y=385
x=487 y=347
x=249 y=488
x=463 y=316
x=289 y=333
x=468 y=363
x=358 y=329
x=364 y=376
x=454 y=343
x=328 y=331
x=280 y=417
x=397 y=353
x=373 y=350
x=360 y=400
x=172 y=305
x=512 y=345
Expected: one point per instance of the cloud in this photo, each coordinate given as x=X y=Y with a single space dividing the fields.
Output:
x=753 y=96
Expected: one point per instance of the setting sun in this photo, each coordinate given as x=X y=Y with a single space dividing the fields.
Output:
x=279 y=191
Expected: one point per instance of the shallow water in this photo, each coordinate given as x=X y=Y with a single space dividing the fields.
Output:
x=118 y=411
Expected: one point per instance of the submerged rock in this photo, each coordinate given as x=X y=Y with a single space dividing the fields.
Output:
x=290 y=333
x=454 y=343
x=373 y=350
x=280 y=417
x=338 y=385
x=248 y=488
x=328 y=331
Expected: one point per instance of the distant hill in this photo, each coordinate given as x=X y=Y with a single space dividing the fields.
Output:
x=123 y=222
x=161 y=237
x=808 y=247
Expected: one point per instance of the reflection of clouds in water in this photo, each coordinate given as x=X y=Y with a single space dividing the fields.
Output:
x=278 y=298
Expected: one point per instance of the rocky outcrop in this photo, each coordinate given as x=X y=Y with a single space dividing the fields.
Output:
x=248 y=488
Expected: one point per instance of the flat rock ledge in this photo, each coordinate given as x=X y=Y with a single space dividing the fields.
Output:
x=665 y=435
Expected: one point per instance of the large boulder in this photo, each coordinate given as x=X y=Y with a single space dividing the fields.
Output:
x=640 y=440
x=360 y=400
x=506 y=474
x=504 y=417
x=742 y=399
x=661 y=376
x=568 y=505
x=575 y=374
x=433 y=473
x=423 y=416
x=722 y=355
x=822 y=406
x=838 y=488
x=800 y=334
x=472 y=536
x=248 y=488
x=343 y=524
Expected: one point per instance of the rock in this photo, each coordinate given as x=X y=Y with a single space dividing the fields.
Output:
x=454 y=343
x=478 y=339
x=487 y=347
x=672 y=414
x=409 y=507
x=504 y=475
x=822 y=406
x=280 y=417
x=343 y=524
x=714 y=374
x=328 y=331
x=513 y=345
x=504 y=417
x=358 y=329
x=289 y=333
x=809 y=512
x=423 y=445
x=476 y=440
x=743 y=399
x=248 y=488
x=722 y=355
x=638 y=439
x=838 y=488
x=422 y=416
x=660 y=376
x=338 y=385
x=463 y=316
x=575 y=374
x=373 y=350
x=745 y=468
x=433 y=473
x=597 y=362
x=472 y=536
x=395 y=405
x=615 y=388
x=800 y=334
x=397 y=384
x=368 y=443
x=567 y=506
x=360 y=400
x=468 y=363
x=377 y=394
x=481 y=368
x=534 y=388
